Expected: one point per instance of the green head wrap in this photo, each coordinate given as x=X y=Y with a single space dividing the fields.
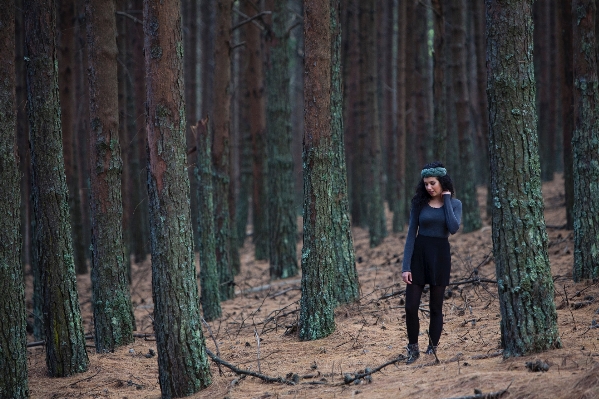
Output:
x=433 y=172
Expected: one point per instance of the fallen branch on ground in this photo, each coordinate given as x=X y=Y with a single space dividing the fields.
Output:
x=239 y=371
x=349 y=378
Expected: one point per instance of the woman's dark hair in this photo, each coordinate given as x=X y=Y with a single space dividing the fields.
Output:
x=422 y=197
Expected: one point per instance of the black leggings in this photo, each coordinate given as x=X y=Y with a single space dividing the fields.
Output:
x=413 y=294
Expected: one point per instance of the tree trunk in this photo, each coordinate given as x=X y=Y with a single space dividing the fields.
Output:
x=371 y=129
x=111 y=301
x=209 y=280
x=282 y=228
x=190 y=38
x=183 y=367
x=439 y=88
x=525 y=285
x=567 y=110
x=545 y=87
x=221 y=147
x=318 y=254
x=13 y=339
x=65 y=341
x=257 y=122
x=466 y=183
x=399 y=134
x=585 y=141
x=66 y=81
x=346 y=286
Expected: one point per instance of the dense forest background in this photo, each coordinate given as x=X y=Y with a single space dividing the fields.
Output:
x=147 y=130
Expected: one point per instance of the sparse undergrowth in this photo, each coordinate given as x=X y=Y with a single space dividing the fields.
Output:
x=257 y=332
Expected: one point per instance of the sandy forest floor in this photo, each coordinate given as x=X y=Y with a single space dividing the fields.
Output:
x=369 y=333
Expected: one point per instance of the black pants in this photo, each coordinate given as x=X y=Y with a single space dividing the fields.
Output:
x=413 y=294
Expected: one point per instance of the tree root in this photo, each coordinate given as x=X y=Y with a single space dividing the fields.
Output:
x=491 y=395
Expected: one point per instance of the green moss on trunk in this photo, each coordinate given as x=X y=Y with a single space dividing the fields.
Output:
x=282 y=223
x=525 y=285
x=65 y=341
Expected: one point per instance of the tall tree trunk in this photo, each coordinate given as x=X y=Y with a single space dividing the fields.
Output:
x=13 y=339
x=221 y=147
x=111 y=301
x=585 y=141
x=137 y=139
x=346 y=286
x=399 y=134
x=481 y=85
x=183 y=367
x=439 y=87
x=545 y=87
x=524 y=282
x=190 y=38
x=282 y=223
x=257 y=120
x=466 y=183
x=371 y=130
x=66 y=81
x=209 y=279
x=318 y=254
x=65 y=341
x=567 y=111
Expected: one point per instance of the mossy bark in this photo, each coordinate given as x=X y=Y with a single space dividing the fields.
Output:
x=183 y=367
x=525 y=285
x=13 y=349
x=221 y=152
x=466 y=183
x=65 y=341
x=346 y=286
x=370 y=126
x=585 y=142
x=209 y=279
x=317 y=303
x=282 y=223
x=111 y=301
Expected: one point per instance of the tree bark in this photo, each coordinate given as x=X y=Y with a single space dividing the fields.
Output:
x=66 y=81
x=585 y=141
x=370 y=136
x=221 y=151
x=257 y=122
x=525 y=285
x=13 y=339
x=65 y=341
x=111 y=301
x=439 y=87
x=399 y=134
x=346 y=285
x=183 y=367
x=282 y=215
x=318 y=268
x=567 y=110
x=466 y=183
x=209 y=281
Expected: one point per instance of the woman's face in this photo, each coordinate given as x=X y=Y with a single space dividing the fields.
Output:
x=432 y=186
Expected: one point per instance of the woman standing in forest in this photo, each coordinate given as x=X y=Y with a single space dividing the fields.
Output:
x=434 y=216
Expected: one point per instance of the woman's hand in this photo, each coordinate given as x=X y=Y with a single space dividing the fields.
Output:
x=407 y=277
x=446 y=192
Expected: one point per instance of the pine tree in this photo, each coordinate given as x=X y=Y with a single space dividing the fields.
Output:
x=524 y=281
x=183 y=367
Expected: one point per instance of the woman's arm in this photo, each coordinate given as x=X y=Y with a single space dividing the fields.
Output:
x=453 y=213
x=409 y=246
